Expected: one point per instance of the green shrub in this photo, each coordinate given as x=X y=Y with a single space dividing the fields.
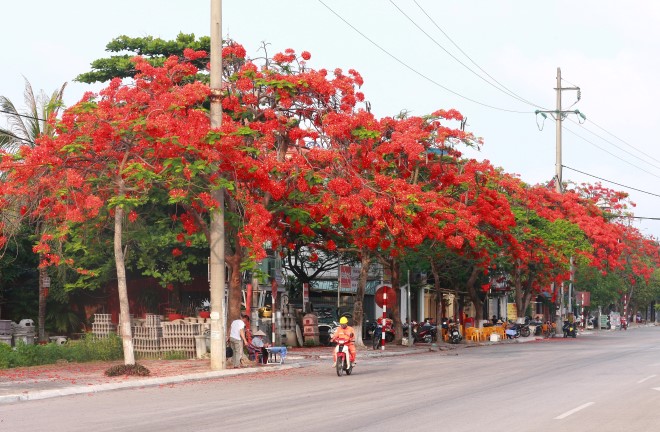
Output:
x=5 y=352
x=88 y=349
x=92 y=348
x=310 y=343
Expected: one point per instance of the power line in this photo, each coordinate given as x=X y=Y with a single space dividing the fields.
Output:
x=610 y=181
x=404 y=64
x=623 y=150
x=611 y=154
x=501 y=87
x=6 y=132
x=22 y=115
x=623 y=141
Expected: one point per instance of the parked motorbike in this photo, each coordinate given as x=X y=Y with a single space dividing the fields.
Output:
x=570 y=330
x=376 y=330
x=524 y=330
x=624 y=324
x=454 y=334
x=426 y=333
x=535 y=327
x=343 y=358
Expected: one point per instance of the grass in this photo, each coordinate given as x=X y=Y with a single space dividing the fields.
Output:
x=87 y=349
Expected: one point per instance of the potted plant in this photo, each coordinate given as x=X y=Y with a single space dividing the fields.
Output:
x=205 y=309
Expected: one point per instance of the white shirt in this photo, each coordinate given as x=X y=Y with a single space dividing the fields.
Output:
x=235 y=330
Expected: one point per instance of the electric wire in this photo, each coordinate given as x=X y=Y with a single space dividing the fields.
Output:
x=623 y=141
x=415 y=71
x=22 y=115
x=501 y=87
x=610 y=181
x=622 y=149
x=610 y=153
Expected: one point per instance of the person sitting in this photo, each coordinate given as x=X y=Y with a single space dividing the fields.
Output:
x=257 y=347
x=345 y=332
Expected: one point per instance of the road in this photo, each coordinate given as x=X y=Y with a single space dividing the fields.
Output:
x=607 y=382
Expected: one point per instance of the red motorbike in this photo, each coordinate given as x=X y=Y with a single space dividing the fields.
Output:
x=425 y=333
x=343 y=358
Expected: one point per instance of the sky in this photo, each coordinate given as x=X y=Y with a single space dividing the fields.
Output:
x=494 y=61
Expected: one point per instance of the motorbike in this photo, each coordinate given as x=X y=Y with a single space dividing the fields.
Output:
x=426 y=333
x=524 y=330
x=535 y=327
x=570 y=330
x=376 y=332
x=624 y=324
x=454 y=334
x=343 y=358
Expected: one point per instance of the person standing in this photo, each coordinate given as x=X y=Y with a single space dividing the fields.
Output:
x=237 y=338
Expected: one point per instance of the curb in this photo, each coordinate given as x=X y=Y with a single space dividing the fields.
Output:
x=146 y=382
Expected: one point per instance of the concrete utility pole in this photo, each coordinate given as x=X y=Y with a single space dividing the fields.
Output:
x=558 y=118
x=409 y=310
x=217 y=233
x=559 y=115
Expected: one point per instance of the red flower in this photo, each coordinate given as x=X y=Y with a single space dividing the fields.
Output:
x=176 y=252
x=305 y=55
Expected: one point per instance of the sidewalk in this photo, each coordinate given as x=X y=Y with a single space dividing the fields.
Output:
x=63 y=379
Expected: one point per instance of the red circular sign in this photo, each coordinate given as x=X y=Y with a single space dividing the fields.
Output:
x=391 y=296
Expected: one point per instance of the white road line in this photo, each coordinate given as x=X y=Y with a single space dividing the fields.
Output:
x=645 y=379
x=657 y=388
x=574 y=410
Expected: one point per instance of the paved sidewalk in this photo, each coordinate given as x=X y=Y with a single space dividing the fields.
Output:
x=62 y=379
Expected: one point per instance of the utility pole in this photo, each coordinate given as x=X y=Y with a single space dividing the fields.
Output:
x=558 y=114
x=217 y=226
x=558 y=120
x=409 y=309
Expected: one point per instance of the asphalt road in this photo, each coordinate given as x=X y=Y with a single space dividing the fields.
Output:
x=604 y=382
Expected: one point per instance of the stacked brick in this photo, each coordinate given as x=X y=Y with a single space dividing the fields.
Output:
x=6 y=331
x=179 y=337
x=24 y=331
x=147 y=335
x=102 y=325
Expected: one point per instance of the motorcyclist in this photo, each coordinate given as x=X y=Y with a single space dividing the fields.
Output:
x=346 y=332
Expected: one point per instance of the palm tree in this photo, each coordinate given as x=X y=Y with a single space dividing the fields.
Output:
x=23 y=128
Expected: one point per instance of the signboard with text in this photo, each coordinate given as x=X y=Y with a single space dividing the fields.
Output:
x=345 y=277
x=511 y=311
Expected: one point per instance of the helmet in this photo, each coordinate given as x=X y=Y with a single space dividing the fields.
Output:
x=343 y=320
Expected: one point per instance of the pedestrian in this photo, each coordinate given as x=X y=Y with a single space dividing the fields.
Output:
x=237 y=338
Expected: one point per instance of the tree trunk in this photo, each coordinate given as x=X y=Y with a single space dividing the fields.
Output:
x=124 y=312
x=358 y=308
x=474 y=295
x=235 y=295
x=396 y=309
x=436 y=288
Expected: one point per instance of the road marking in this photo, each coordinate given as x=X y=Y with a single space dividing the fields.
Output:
x=645 y=379
x=574 y=410
x=657 y=388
